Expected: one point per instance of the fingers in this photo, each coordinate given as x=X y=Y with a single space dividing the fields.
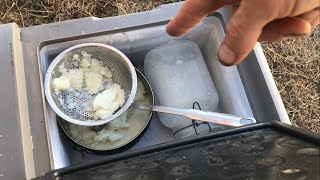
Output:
x=251 y=21
x=243 y=31
x=312 y=16
x=292 y=8
x=190 y=14
x=289 y=27
x=285 y=27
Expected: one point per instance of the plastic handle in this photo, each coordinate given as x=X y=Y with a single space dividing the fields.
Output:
x=213 y=117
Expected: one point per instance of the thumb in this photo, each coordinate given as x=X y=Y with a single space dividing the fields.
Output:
x=243 y=31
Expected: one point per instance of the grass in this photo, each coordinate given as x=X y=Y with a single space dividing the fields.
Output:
x=295 y=63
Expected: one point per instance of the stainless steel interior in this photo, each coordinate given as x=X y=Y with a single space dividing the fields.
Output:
x=135 y=43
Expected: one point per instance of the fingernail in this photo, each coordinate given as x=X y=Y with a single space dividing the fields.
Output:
x=226 y=56
x=305 y=32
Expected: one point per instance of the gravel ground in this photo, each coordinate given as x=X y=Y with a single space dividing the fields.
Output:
x=295 y=63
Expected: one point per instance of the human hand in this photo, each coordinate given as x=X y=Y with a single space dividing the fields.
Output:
x=252 y=21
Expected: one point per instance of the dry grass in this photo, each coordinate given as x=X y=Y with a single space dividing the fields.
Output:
x=35 y=12
x=295 y=63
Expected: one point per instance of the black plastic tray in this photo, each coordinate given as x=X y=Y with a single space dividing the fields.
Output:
x=260 y=151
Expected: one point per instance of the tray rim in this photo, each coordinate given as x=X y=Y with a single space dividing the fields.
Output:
x=282 y=127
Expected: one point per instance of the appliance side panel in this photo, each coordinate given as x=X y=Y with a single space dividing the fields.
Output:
x=274 y=92
x=11 y=147
x=36 y=110
x=261 y=87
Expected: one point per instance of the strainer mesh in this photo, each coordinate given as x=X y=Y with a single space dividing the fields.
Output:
x=108 y=58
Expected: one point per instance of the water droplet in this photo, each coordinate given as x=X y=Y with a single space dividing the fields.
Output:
x=0 y=155
x=173 y=159
x=150 y=165
x=271 y=161
x=232 y=171
x=254 y=149
x=1 y=174
x=309 y=151
x=208 y=150
x=291 y=171
x=288 y=142
x=237 y=144
x=1 y=135
x=181 y=170
x=294 y=174
x=214 y=161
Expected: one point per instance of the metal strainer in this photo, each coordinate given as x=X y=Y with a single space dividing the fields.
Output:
x=123 y=71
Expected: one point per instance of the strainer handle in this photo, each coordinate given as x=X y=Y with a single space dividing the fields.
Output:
x=212 y=117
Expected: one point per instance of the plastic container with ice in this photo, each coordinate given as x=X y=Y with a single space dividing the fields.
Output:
x=179 y=77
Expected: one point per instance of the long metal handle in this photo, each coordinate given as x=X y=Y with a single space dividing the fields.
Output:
x=213 y=117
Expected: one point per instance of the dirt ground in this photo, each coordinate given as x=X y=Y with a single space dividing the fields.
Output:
x=295 y=63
